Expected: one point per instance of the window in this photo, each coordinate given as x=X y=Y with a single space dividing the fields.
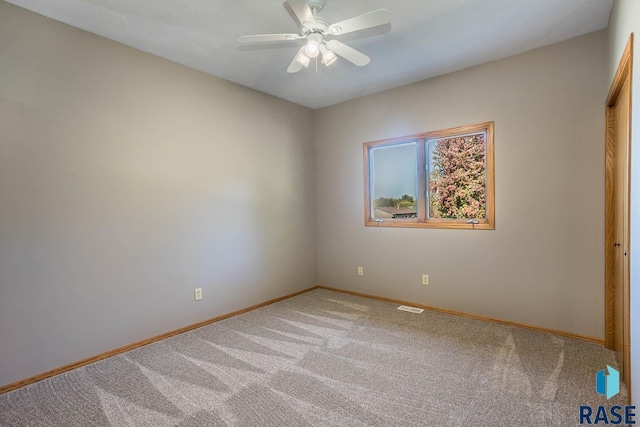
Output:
x=441 y=179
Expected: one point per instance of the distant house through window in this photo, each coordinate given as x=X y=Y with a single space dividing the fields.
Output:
x=441 y=179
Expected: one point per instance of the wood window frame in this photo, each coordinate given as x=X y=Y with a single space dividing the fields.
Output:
x=422 y=221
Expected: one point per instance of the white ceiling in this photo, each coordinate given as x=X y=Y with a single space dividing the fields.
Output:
x=426 y=38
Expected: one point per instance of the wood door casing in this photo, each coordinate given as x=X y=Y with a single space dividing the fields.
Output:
x=621 y=227
x=617 y=239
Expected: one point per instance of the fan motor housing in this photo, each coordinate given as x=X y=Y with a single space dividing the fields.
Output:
x=321 y=27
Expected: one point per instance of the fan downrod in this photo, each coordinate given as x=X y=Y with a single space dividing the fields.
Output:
x=316 y=5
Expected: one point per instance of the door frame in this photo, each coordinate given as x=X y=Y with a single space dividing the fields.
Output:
x=623 y=74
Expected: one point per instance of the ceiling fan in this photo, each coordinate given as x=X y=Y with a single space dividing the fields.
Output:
x=316 y=30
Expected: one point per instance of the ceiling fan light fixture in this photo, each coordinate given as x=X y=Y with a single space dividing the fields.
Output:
x=312 y=49
x=328 y=57
x=303 y=59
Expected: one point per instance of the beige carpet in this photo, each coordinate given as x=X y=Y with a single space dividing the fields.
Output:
x=325 y=358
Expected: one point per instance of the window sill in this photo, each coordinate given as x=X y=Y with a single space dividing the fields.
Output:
x=433 y=223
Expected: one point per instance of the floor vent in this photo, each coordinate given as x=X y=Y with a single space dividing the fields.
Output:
x=410 y=309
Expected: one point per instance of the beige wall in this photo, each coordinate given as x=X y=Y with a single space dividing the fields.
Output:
x=543 y=264
x=625 y=19
x=126 y=181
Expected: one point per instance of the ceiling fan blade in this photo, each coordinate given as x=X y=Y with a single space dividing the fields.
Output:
x=348 y=53
x=303 y=12
x=361 y=22
x=262 y=38
x=295 y=66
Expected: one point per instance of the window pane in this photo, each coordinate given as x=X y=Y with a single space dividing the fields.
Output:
x=457 y=177
x=394 y=178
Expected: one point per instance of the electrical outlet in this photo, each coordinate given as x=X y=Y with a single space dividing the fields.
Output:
x=360 y=271
x=425 y=279
x=197 y=294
